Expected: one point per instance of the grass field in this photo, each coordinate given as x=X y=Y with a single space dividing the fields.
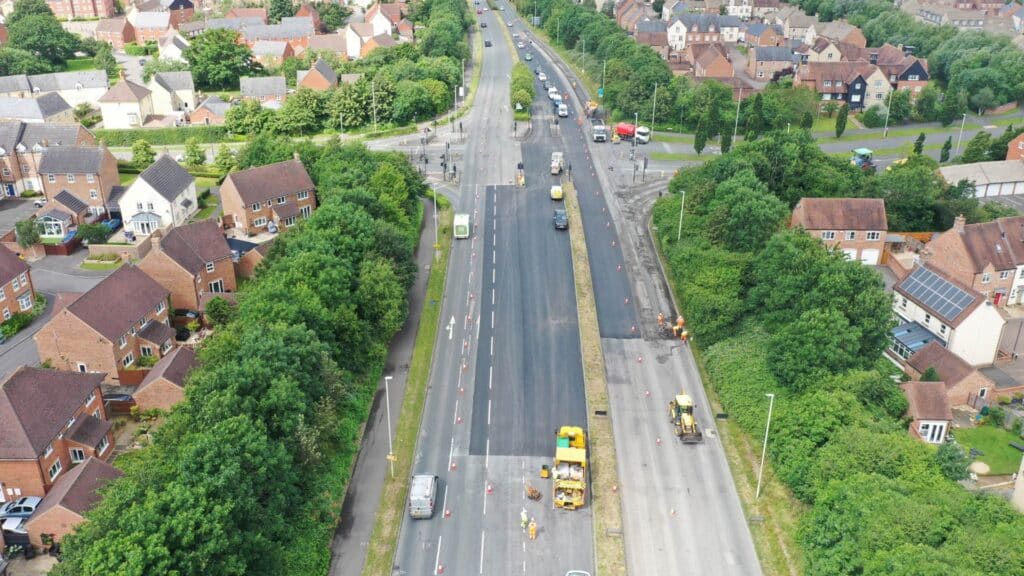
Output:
x=101 y=265
x=680 y=156
x=995 y=443
x=127 y=179
x=79 y=64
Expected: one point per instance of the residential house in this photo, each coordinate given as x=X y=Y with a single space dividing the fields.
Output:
x=857 y=226
x=74 y=87
x=307 y=10
x=987 y=256
x=406 y=31
x=905 y=72
x=49 y=108
x=236 y=24
x=964 y=383
x=296 y=31
x=794 y=21
x=110 y=327
x=998 y=178
x=764 y=35
x=247 y=256
x=709 y=61
x=259 y=14
x=381 y=41
x=652 y=33
x=958 y=316
x=820 y=50
x=172 y=47
x=126 y=105
x=672 y=9
x=762 y=9
x=628 y=13
x=385 y=17
x=271 y=53
x=702 y=29
x=267 y=198
x=356 y=35
x=269 y=91
x=928 y=409
x=764 y=62
x=742 y=9
x=72 y=495
x=210 y=111
x=193 y=28
x=859 y=84
x=191 y=261
x=173 y=93
x=320 y=76
x=150 y=26
x=334 y=43
x=163 y=196
x=17 y=296
x=116 y=31
x=81 y=9
x=77 y=182
x=837 y=31
x=180 y=11
x=49 y=421
x=1015 y=149
x=164 y=386
x=22 y=145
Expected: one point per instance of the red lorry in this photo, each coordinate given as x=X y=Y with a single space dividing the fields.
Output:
x=625 y=131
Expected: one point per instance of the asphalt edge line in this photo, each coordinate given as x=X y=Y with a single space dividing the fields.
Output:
x=609 y=548
x=410 y=416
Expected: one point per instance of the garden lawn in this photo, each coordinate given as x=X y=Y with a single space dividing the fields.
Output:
x=127 y=179
x=79 y=64
x=995 y=443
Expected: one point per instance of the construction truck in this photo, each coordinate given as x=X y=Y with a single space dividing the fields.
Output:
x=599 y=131
x=569 y=473
x=863 y=158
x=557 y=162
x=591 y=109
x=680 y=412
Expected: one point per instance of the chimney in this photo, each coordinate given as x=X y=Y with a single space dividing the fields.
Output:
x=958 y=224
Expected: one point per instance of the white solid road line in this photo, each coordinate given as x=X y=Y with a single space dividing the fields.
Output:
x=437 y=559
x=490 y=377
x=483 y=538
x=444 y=505
x=455 y=418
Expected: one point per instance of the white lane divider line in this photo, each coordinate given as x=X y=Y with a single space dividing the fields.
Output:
x=444 y=505
x=492 y=314
x=455 y=419
x=494 y=272
x=487 y=454
x=492 y=345
x=488 y=413
x=492 y=295
x=437 y=559
x=490 y=377
x=483 y=539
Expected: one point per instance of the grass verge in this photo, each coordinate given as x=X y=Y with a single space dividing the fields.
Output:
x=608 y=543
x=682 y=156
x=381 y=550
x=776 y=515
x=995 y=444
x=102 y=265
x=678 y=139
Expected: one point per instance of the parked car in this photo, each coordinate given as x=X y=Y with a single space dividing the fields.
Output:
x=542 y=77
x=15 y=525
x=20 y=508
x=520 y=45
x=39 y=202
x=483 y=24
x=487 y=43
x=529 y=57
x=561 y=219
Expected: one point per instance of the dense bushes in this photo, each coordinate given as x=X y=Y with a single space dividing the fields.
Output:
x=522 y=90
x=243 y=476
x=788 y=317
x=162 y=136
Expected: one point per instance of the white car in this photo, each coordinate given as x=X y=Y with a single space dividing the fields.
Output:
x=542 y=77
x=39 y=202
x=15 y=525
x=520 y=45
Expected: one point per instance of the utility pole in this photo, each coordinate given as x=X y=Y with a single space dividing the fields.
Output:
x=387 y=400
x=960 y=139
x=632 y=151
x=654 y=107
x=736 y=125
x=604 y=68
x=583 y=65
x=373 y=95
x=682 y=202
x=764 y=449
x=888 y=109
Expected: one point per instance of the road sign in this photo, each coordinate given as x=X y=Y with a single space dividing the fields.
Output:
x=600 y=92
x=392 y=458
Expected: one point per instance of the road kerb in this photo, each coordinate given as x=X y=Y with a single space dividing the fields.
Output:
x=609 y=547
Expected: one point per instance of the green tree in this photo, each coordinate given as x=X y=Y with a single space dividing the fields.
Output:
x=919 y=144
x=155 y=65
x=952 y=108
x=43 y=36
x=26 y=8
x=142 y=154
x=830 y=108
x=1000 y=146
x=821 y=342
x=302 y=113
x=952 y=460
x=218 y=60
x=104 y=60
x=194 y=154
x=381 y=297
x=926 y=105
x=93 y=233
x=248 y=118
x=413 y=102
x=947 y=147
x=280 y=9
x=657 y=6
x=977 y=149
x=220 y=311
x=726 y=142
x=743 y=214
x=983 y=99
x=391 y=190
x=841 y=120
x=225 y=159
x=910 y=192
x=15 y=61
x=873 y=117
x=930 y=375
x=900 y=106
x=332 y=15
x=807 y=121
x=82 y=111
x=27 y=232
x=700 y=139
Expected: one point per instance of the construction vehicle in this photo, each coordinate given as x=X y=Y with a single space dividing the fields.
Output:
x=680 y=412
x=643 y=134
x=599 y=132
x=557 y=162
x=591 y=109
x=569 y=472
x=625 y=131
x=863 y=159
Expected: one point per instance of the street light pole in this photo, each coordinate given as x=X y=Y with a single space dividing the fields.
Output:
x=583 y=65
x=654 y=107
x=736 y=125
x=373 y=95
x=387 y=400
x=604 y=68
x=764 y=449
x=682 y=202
x=960 y=139
x=888 y=109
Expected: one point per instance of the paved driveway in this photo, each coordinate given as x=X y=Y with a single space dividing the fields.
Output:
x=12 y=210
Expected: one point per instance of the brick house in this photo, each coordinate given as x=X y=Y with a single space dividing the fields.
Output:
x=190 y=261
x=859 y=84
x=85 y=173
x=764 y=62
x=180 y=11
x=269 y=197
x=295 y=30
x=334 y=43
x=319 y=77
x=380 y=41
x=1015 y=149
x=988 y=257
x=928 y=409
x=821 y=49
x=116 y=31
x=652 y=33
x=385 y=17
x=49 y=421
x=17 y=294
x=764 y=35
x=836 y=31
x=247 y=256
x=628 y=13
x=211 y=111
x=269 y=91
x=709 y=61
x=258 y=13
x=150 y=26
x=164 y=386
x=905 y=72
x=110 y=327
x=271 y=53
x=72 y=495
x=964 y=383
x=308 y=11
x=72 y=9
x=857 y=226
x=21 y=148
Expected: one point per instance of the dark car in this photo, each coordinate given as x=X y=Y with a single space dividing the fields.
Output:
x=538 y=70
x=561 y=219
x=487 y=43
x=483 y=24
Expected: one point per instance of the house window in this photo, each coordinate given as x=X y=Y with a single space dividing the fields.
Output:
x=942 y=329
x=879 y=96
x=82 y=368
x=986 y=278
x=25 y=302
x=127 y=360
x=51 y=178
x=92 y=396
x=90 y=178
x=25 y=169
x=306 y=211
x=270 y=203
x=142 y=323
x=303 y=195
x=851 y=235
x=892 y=77
x=138 y=206
x=878 y=83
x=982 y=392
x=102 y=446
x=828 y=235
x=255 y=207
x=7 y=314
x=7 y=171
x=55 y=469
x=913 y=78
x=149 y=206
x=15 y=285
x=874 y=235
x=927 y=319
x=133 y=119
x=77 y=455
x=48 y=451
x=280 y=200
x=855 y=98
x=217 y=286
x=3 y=294
x=857 y=86
x=71 y=178
x=210 y=267
x=903 y=302
x=145 y=351
x=826 y=96
x=828 y=83
x=1003 y=275
x=123 y=341
x=839 y=84
x=96 y=413
x=165 y=347
x=259 y=222
x=160 y=307
x=760 y=74
x=93 y=194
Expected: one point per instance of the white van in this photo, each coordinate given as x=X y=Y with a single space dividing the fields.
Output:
x=643 y=134
x=552 y=92
x=563 y=111
x=461 y=226
x=422 y=494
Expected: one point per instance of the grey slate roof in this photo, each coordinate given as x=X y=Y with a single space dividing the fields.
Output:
x=702 y=22
x=152 y=20
x=49 y=134
x=16 y=83
x=233 y=23
x=652 y=26
x=56 y=214
x=39 y=108
x=68 y=80
x=172 y=81
x=193 y=245
x=254 y=87
x=88 y=430
x=773 y=54
x=215 y=105
x=72 y=160
x=10 y=265
x=167 y=177
x=269 y=47
x=294 y=27
x=173 y=367
x=157 y=332
x=323 y=68
x=70 y=201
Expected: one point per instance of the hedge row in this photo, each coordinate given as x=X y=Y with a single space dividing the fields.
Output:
x=163 y=136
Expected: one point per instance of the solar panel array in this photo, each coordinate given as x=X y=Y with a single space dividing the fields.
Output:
x=945 y=298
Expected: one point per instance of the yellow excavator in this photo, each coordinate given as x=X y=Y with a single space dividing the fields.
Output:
x=680 y=412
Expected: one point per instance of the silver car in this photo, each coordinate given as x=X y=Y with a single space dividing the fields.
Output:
x=20 y=508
